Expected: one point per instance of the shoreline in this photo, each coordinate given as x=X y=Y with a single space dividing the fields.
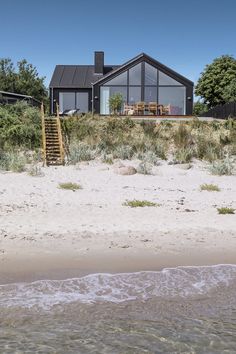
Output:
x=59 y=265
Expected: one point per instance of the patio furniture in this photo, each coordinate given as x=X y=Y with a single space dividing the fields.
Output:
x=139 y=108
x=152 y=108
x=128 y=109
x=166 y=109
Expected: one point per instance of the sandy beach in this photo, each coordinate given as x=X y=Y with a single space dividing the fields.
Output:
x=46 y=231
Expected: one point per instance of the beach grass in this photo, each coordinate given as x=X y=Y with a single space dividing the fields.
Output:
x=135 y=203
x=210 y=187
x=226 y=210
x=70 y=186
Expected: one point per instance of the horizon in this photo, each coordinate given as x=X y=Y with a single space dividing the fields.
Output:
x=49 y=34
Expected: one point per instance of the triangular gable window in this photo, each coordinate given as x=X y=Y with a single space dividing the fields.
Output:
x=118 y=80
x=167 y=80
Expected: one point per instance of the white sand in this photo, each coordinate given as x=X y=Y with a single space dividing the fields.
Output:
x=40 y=223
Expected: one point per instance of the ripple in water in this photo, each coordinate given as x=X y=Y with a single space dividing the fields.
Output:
x=178 y=310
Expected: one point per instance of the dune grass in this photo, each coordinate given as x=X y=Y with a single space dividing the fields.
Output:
x=210 y=187
x=135 y=203
x=70 y=186
x=226 y=210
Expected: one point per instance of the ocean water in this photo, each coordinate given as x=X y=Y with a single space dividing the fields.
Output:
x=176 y=310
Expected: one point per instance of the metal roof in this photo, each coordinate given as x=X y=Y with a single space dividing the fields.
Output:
x=77 y=76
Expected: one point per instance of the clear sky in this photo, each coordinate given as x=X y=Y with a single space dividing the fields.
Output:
x=182 y=34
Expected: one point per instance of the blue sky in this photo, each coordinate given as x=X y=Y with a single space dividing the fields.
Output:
x=182 y=34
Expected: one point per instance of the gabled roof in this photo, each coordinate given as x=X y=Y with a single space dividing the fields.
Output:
x=152 y=61
x=77 y=76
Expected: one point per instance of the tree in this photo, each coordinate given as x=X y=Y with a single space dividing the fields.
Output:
x=115 y=102
x=230 y=92
x=25 y=80
x=7 y=75
x=214 y=79
x=199 y=108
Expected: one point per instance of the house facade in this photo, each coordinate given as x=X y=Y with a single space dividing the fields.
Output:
x=147 y=88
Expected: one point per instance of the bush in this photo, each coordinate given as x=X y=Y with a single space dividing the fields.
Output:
x=183 y=155
x=223 y=167
x=70 y=186
x=139 y=203
x=182 y=138
x=20 y=126
x=81 y=152
x=35 y=171
x=12 y=161
x=144 y=168
x=124 y=152
x=209 y=188
x=226 y=210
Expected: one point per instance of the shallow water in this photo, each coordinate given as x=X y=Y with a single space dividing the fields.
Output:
x=178 y=310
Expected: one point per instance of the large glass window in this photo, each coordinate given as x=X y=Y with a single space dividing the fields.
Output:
x=173 y=98
x=167 y=80
x=134 y=94
x=108 y=91
x=150 y=75
x=135 y=75
x=144 y=83
x=118 y=80
x=82 y=102
x=150 y=94
x=66 y=101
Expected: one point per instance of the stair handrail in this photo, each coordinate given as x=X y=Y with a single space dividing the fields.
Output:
x=43 y=134
x=60 y=134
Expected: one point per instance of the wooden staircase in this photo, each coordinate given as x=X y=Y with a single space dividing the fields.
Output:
x=53 y=150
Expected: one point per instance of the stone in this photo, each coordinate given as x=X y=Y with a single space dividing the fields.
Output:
x=125 y=170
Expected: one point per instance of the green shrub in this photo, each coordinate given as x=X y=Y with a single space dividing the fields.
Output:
x=81 y=152
x=182 y=138
x=209 y=188
x=183 y=155
x=222 y=167
x=124 y=152
x=20 y=126
x=12 y=161
x=70 y=186
x=139 y=203
x=35 y=171
x=144 y=168
x=225 y=210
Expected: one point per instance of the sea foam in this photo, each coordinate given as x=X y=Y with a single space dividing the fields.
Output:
x=184 y=282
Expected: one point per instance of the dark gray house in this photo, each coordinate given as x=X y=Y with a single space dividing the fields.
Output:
x=147 y=87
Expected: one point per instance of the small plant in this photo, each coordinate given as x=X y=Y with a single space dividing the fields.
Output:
x=107 y=158
x=144 y=168
x=70 y=186
x=115 y=103
x=210 y=188
x=11 y=161
x=81 y=152
x=226 y=210
x=124 y=152
x=139 y=203
x=222 y=167
x=35 y=171
x=183 y=155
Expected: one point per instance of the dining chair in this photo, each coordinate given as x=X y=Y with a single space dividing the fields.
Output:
x=152 y=108
x=139 y=108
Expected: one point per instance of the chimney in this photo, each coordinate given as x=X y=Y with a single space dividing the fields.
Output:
x=98 y=62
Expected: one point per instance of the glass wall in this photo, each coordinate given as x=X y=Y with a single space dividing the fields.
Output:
x=73 y=100
x=108 y=91
x=146 y=84
x=174 y=98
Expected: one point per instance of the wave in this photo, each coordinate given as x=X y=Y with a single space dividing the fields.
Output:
x=184 y=282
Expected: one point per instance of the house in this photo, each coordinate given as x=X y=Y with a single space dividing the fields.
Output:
x=11 y=98
x=143 y=82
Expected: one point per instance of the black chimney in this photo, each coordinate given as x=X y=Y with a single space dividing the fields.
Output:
x=98 y=62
